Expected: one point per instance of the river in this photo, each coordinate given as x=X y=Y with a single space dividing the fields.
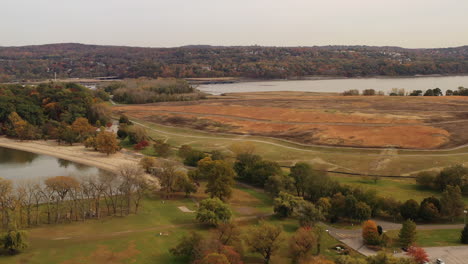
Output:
x=340 y=85
x=20 y=165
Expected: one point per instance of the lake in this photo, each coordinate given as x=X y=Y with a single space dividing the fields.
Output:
x=340 y=85
x=19 y=165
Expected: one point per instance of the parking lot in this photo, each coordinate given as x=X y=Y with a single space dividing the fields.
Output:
x=450 y=255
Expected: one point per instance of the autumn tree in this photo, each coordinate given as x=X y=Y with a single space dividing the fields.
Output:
x=309 y=214
x=60 y=187
x=188 y=246
x=137 y=134
x=21 y=128
x=106 y=142
x=161 y=148
x=418 y=254
x=132 y=185
x=370 y=233
x=147 y=163
x=6 y=191
x=185 y=184
x=301 y=244
x=82 y=128
x=407 y=235
x=264 y=239
x=285 y=204
x=227 y=233
x=168 y=174
x=242 y=148
x=66 y=134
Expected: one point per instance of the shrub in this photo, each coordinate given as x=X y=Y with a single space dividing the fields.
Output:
x=464 y=235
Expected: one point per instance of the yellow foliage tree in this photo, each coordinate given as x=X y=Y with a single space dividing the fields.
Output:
x=83 y=128
x=106 y=142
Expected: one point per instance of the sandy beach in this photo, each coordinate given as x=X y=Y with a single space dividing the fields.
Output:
x=76 y=153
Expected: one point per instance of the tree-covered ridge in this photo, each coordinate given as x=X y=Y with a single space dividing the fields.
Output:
x=77 y=60
x=43 y=111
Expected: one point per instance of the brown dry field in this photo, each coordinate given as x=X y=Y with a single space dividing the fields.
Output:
x=323 y=119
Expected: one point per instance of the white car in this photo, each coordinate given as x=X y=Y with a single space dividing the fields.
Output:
x=439 y=261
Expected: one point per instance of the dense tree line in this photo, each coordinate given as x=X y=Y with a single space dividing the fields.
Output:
x=140 y=91
x=456 y=175
x=76 y=60
x=50 y=111
x=461 y=91
x=65 y=198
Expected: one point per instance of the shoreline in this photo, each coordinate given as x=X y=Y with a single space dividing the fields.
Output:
x=230 y=80
x=75 y=153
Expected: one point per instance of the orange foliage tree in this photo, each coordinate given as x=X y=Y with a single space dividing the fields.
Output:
x=370 y=234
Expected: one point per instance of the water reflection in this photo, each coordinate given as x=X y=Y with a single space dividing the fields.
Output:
x=10 y=156
x=22 y=165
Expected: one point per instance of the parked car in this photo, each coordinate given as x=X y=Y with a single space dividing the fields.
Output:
x=439 y=261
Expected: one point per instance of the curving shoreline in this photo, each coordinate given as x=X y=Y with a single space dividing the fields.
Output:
x=75 y=153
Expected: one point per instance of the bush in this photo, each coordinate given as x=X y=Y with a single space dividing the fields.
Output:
x=409 y=210
x=351 y=92
x=464 y=235
x=141 y=145
x=193 y=157
x=426 y=179
x=161 y=148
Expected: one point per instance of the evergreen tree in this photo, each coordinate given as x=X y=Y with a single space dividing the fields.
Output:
x=407 y=235
x=464 y=235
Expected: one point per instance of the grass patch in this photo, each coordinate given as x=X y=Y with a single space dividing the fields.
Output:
x=433 y=238
x=400 y=189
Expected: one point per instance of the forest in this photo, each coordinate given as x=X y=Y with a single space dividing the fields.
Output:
x=51 y=111
x=79 y=61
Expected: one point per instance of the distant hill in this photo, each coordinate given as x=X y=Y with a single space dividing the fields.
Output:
x=70 y=60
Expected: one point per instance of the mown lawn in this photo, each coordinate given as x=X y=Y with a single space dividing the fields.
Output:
x=400 y=189
x=148 y=236
x=433 y=238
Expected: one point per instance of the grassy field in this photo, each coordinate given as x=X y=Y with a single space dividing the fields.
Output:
x=400 y=189
x=434 y=238
x=359 y=121
x=137 y=239
x=367 y=161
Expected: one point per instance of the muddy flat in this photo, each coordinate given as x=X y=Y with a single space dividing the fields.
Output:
x=323 y=119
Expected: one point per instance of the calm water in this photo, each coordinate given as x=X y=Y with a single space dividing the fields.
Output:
x=340 y=85
x=19 y=165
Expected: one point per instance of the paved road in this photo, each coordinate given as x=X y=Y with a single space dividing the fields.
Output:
x=353 y=238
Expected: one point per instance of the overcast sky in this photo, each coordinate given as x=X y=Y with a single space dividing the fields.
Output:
x=169 y=23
